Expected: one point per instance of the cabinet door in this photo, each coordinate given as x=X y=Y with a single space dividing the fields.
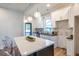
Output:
x=71 y=21
x=70 y=47
x=48 y=51
x=55 y=40
x=54 y=24
x=62 y=38
x=53 y=20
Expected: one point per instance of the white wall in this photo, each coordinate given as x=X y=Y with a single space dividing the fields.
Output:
x=11 y=23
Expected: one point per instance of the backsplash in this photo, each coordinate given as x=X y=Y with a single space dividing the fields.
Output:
x=39 y=30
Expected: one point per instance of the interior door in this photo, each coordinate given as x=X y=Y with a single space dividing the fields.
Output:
x=28 y=29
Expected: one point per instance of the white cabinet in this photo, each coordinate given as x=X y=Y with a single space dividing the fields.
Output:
x=55 y=40
x=70 y=47
x=61 y=14
x=71 y=18
x=62 y=38
x=71 y=22
x=54 y=24
x=52 y=38
x=53 y=20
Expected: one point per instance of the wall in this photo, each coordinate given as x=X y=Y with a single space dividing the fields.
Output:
x=77 y=34
x=74 y=12
x=11 y=23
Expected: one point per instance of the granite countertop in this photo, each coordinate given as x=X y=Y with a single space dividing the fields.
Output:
x=46 y=33
x=49 y=34
x=26 y=48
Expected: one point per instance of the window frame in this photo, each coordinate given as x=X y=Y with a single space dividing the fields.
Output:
x=50 y=28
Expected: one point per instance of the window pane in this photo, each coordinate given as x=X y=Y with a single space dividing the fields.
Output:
x=48 y=25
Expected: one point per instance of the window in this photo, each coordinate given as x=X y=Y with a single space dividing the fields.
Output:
x=47 y=24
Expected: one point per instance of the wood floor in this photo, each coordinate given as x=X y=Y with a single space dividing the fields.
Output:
x=59 y=52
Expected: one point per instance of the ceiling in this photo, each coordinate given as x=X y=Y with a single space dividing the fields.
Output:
x=21 y=7
x=30 y=8
x=43 y=9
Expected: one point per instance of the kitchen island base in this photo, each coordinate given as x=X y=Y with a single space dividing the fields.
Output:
x=48 y=51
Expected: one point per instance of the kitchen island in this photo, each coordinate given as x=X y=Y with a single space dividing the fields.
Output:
x=40 y=47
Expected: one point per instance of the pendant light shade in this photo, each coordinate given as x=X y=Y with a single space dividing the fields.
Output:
x=37 y=14
x=29 y=18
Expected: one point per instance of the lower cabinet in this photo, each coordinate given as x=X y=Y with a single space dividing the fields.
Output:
x=70 y=48
x=49 y=51
x=52 y=38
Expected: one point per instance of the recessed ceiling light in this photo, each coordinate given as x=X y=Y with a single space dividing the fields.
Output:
x=48 y=5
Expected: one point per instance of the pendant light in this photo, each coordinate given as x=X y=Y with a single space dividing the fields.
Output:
x=25 y=20
x=29 y=18
x=37 y=14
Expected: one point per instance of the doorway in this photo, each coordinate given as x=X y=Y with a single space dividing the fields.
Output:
x=76 y=35
x=28 y=29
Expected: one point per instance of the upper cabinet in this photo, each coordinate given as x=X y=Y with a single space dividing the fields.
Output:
x=71 y=22
x=59 y=15
x=53 y=22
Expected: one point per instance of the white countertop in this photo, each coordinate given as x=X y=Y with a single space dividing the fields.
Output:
x=26 y=48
